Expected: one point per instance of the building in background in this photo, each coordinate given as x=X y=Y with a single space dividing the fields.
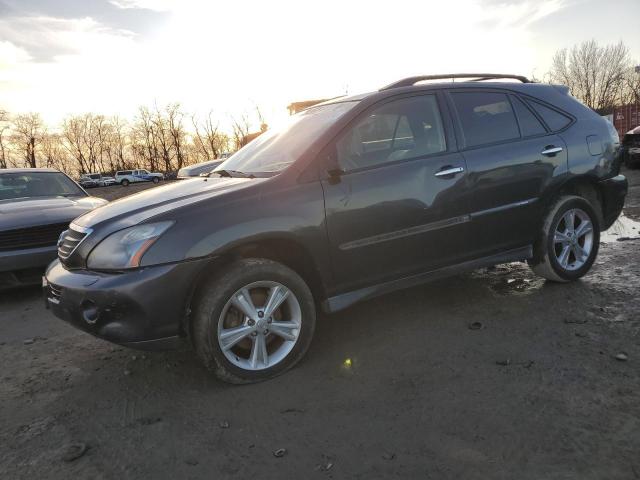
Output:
x=626 y=118
x=252 y=136
x=296 y=107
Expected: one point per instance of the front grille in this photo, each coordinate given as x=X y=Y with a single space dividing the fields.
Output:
x=55 y=293
x=31 y=237
x=69 y=241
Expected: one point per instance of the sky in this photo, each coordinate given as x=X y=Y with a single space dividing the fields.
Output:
x=67 y=57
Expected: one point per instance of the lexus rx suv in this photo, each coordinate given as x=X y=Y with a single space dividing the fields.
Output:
x=350 y=199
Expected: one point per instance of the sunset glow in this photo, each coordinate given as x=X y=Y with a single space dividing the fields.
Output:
x=232 y=56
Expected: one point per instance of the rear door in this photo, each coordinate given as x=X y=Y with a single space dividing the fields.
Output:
x=397 y=207
x=138 y=176
x=511 y=159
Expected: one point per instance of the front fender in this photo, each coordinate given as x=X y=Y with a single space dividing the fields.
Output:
x=212 y=228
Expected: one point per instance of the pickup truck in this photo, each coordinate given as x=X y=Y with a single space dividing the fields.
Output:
x=125 y=177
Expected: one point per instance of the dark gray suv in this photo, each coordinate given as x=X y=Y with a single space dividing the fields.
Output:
x=351 y=199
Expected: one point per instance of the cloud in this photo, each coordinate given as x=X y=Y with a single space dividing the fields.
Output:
x=519 y=13
x=12 y=55
x=156 y=5
x=45 y=38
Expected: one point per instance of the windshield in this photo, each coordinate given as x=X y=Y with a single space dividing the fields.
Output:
x=37 y=184
x=276 y=149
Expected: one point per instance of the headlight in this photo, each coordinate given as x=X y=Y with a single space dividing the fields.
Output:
x=125 y=248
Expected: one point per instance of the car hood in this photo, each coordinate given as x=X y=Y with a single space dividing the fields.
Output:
x=29 y=212
x=155 y=201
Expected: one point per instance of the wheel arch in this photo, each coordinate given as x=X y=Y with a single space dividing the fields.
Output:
x=281 y=248
x=585 y=186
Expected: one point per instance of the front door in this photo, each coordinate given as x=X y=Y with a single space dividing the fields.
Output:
x=396 y=208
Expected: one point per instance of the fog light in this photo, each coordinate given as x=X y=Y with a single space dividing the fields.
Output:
x=90 y=311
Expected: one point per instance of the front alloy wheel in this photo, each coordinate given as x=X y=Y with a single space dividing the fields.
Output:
x=252 y=320
x=259 y=325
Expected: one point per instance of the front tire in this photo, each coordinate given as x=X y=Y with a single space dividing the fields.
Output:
x=252 y=321
x=569 y=240
x=155 y=180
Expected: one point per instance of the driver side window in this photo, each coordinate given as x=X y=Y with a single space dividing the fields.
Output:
x=398 y=130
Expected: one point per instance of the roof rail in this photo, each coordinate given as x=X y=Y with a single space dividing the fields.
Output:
x=475 y=77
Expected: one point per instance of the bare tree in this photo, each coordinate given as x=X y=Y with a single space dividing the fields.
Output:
x=209 y=141
x=27 y=134
x=119 y=143
x=163 y=138
x=177 y=133
x=144 y=140
x=594 y=74
x=4 y=149
x=81 y=134
x=52 y=152
x=156 y=139
x=241 y=128
x=632 y=85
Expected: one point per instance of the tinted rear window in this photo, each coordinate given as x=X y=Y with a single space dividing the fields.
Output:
x=126 y=172
x=529 y=124
x=485 y=117
x=554 y=119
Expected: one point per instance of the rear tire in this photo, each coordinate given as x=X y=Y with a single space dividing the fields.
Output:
x=125 y=183
x=276 y=338
x=568 y=243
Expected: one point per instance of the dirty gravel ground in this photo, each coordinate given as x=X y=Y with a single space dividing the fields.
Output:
x=397 y=387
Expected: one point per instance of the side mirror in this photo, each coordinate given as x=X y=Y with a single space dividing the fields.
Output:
x=335 y=175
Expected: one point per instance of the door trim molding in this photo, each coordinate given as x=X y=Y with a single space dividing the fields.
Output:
x=405 y=232
x=502 y=208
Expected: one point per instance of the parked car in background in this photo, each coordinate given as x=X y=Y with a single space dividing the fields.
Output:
x=350 y=199
x=198 y=169
x=125 y=177
x=631 y=146
x=36 y=206
x=86 y=181
x=102 y=180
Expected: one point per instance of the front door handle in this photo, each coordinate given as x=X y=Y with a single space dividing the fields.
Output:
x=551 y=150
x=448 y=171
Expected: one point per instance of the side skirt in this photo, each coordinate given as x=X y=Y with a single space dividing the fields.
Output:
x=344 y=300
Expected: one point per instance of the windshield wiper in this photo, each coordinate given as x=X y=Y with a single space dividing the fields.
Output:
x=231 y=173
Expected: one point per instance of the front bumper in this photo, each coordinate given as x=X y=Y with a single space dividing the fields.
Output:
x=24 y=267
x=144 y=309
x=614 y=191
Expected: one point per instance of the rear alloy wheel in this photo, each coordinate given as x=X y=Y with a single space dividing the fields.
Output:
x=573 y=239
x=253 y=321
x=125 y=183
x=570 y=240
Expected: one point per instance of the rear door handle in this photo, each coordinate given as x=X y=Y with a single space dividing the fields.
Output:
x=550 y=150
x=449 y=171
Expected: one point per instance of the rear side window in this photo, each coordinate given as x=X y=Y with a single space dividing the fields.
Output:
x=126 y=172
x=485 y=117
x=529 y=124
x=554 y=119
